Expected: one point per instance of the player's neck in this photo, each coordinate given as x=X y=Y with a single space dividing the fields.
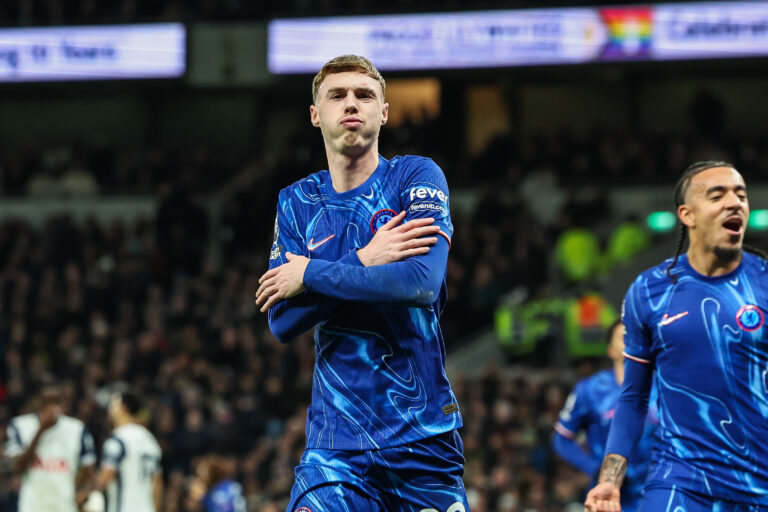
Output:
x=123 y=420
x=706 y=263
x=348 y=172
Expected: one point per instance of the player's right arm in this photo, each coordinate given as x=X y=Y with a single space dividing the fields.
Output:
x=631 y=409
x=393 y=242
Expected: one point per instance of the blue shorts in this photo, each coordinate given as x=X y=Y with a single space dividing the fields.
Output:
x=678 y=500
x=424 y=476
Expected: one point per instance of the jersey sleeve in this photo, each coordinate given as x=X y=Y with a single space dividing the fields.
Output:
x=87 y=448
x=631 y=408
x=637 y=336
x=575 y=413
x=287 y=236
x=14 y=447
x=112 y=453
x=424 y=193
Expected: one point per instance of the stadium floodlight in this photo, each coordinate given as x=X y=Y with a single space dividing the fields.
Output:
x=661 y=222
x=758 y=220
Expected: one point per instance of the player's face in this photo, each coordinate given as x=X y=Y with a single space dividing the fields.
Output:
x=616 y=344
x=716 y=210
x=350 y=111
x=114 y=405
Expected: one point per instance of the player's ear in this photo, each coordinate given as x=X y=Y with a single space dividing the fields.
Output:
x=384 y=113
x=314 y=116
x=686 y=216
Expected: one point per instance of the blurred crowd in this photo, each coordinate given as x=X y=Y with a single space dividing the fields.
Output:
x=81 y=170
x=99 y=308
x=602 y=158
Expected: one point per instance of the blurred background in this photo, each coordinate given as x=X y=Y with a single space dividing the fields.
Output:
x=143 y=144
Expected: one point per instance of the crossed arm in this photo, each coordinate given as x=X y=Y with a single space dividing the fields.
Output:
x=377 y=272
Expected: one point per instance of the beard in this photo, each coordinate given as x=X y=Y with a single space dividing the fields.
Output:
x=727 y=255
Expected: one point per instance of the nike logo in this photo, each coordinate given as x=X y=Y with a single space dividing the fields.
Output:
x=312 y=245
x=369 y=196
x=735 y=281
x=666 y=319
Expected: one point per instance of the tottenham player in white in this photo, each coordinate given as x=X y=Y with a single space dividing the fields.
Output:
x=130 y=461
x=52 y=452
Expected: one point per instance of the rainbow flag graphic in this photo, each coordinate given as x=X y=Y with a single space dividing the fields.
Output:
x=629 y=32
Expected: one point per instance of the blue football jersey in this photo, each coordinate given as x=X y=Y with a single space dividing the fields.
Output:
x=226 y=496
x=708 y=343
x=379 y=378
x=590 y=407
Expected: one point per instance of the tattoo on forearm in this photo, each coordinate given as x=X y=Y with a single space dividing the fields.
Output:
x=613 y=469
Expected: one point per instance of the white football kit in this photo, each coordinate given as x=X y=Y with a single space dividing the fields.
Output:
x=48 y=485
x=135 y=454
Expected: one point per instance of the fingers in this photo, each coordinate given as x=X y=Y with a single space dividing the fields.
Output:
x=290 y=256
x=414 y=252
x=420 y=242
x=419 y=232
x=273 y=299
x=394 y=221
x=269 y=274
x=417 y=223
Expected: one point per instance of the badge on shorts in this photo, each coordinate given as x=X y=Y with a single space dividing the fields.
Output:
x=749 y=317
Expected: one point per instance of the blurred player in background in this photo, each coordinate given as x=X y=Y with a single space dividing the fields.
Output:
x=213 y=488
x=130 y=470
x=698 y=322
x=53 y=453
x=590 y=407
x=381 y=428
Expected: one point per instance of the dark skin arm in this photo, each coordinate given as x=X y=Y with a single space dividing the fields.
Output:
x=48 y=418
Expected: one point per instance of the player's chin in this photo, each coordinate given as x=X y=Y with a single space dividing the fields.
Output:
x=728 y=252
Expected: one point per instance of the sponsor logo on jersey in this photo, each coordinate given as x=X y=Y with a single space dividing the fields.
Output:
x=750 y=317
x=381 y=217
x=274 y=253
x=51 y=465
x=430 y=207
x=666 y=319
x=312 y=245
x=427 y=193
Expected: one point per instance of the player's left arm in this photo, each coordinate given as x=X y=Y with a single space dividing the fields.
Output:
x=414 y=281
x=87 y=467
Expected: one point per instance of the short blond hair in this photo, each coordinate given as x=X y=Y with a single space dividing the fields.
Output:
x=345 y=63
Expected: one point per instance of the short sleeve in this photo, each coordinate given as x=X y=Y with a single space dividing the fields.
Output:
x=13 y=446
x=286 y=237
x=575 y=413
x=87 y=448
x=637 y=337
x=112 y=453
x=424 y=193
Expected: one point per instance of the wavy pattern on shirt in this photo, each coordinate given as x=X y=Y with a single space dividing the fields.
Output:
x=710 y=370
x=379 y=370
